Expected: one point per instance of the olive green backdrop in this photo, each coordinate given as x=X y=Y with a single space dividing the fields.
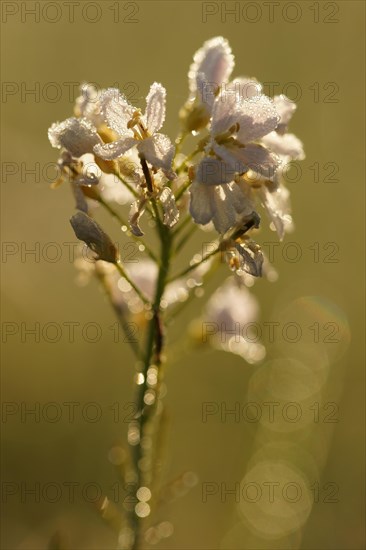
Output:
x=321 y=54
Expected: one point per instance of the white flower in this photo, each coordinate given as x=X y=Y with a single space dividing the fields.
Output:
x=212 y=65
x=236 y=125
x=229 y=314
x=76 y=135
x=248 y=135
x=211 y=68
x=135 y=129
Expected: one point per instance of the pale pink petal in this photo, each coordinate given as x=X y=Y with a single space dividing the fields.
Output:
x=277 y=205
x=286 y=145
x=76 y=135
x=252 y=157
x=214 y=60
x=285 y=108
x=202 y=207
x=230 y=205
x=155 y=107
x=228 y=101
x=116 y=110
x=256 y=117
x=158 y=150
x=224 y=114
x=243 y=87
x=88 y=104
x=212 y=171
x=171 y=212
x=206 y=91
x=223 y=205
x=110 y=151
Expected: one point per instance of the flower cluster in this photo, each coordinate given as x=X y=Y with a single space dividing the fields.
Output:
x=114 y=153
x=242 y=155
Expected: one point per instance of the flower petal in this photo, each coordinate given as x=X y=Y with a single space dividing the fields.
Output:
x=224 y=113
x=285 y=108
x=201 y=204
x=223 y=205
x=277 y=205
x=171 y=212
x=229 y=203
x=155 y=107
x=158 y=150
x=87 y=104
x=257 y=117
x=214 y=60
x=76 y=135
x=212 y=171
x=243 y=87
x=228 y=101
x=286 y=145
x=110 y=151
x=116 y=110
x=206 y=93
x=249 y=157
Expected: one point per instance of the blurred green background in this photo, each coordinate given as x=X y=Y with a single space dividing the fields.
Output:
x=323 y=54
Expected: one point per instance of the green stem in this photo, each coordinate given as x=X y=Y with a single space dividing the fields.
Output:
x=153 y=350
x=193 y=266
x=125 y=325
x=130 y=281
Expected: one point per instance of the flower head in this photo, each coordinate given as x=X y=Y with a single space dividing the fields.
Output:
x=232 y=150
x=247 y=148
x=135 y=129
